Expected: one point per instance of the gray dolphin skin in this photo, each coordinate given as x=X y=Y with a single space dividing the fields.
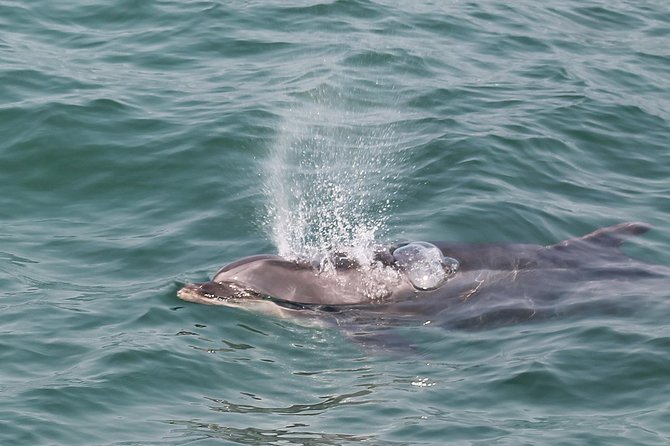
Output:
x=473 y=286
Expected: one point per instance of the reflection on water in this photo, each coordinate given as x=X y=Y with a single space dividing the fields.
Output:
x=328 y=402
x=293 y=434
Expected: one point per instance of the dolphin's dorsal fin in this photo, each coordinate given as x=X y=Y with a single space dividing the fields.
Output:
x=611 y=236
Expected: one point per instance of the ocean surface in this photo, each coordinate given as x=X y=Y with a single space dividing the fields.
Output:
x=145 y=144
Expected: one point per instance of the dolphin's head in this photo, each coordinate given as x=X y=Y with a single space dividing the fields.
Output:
x=273 y=278
x=251 y=278
x=395 y=273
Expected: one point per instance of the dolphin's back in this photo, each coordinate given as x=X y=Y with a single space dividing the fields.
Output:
x=491 y=256
x=598 y=246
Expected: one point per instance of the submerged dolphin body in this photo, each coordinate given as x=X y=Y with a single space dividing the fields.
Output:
x=488 y=284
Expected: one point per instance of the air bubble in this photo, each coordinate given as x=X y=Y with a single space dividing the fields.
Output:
x=424 y=265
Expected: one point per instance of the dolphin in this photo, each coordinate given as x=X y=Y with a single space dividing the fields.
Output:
x=450 y=283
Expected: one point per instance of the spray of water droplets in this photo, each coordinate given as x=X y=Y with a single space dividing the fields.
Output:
x=329 y=181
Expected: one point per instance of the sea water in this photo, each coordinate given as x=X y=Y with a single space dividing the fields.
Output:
x=145 y=144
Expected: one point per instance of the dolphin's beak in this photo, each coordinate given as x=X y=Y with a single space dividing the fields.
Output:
x=191 y=292
x=213 y=293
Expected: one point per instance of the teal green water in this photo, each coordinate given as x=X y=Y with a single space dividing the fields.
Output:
x=135 y=145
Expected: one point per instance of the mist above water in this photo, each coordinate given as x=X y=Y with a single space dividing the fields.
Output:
x=330 y=180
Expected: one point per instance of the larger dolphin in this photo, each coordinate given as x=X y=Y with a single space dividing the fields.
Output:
x=473 y=285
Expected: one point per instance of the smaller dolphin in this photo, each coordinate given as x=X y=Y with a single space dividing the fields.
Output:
x=456 y=284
